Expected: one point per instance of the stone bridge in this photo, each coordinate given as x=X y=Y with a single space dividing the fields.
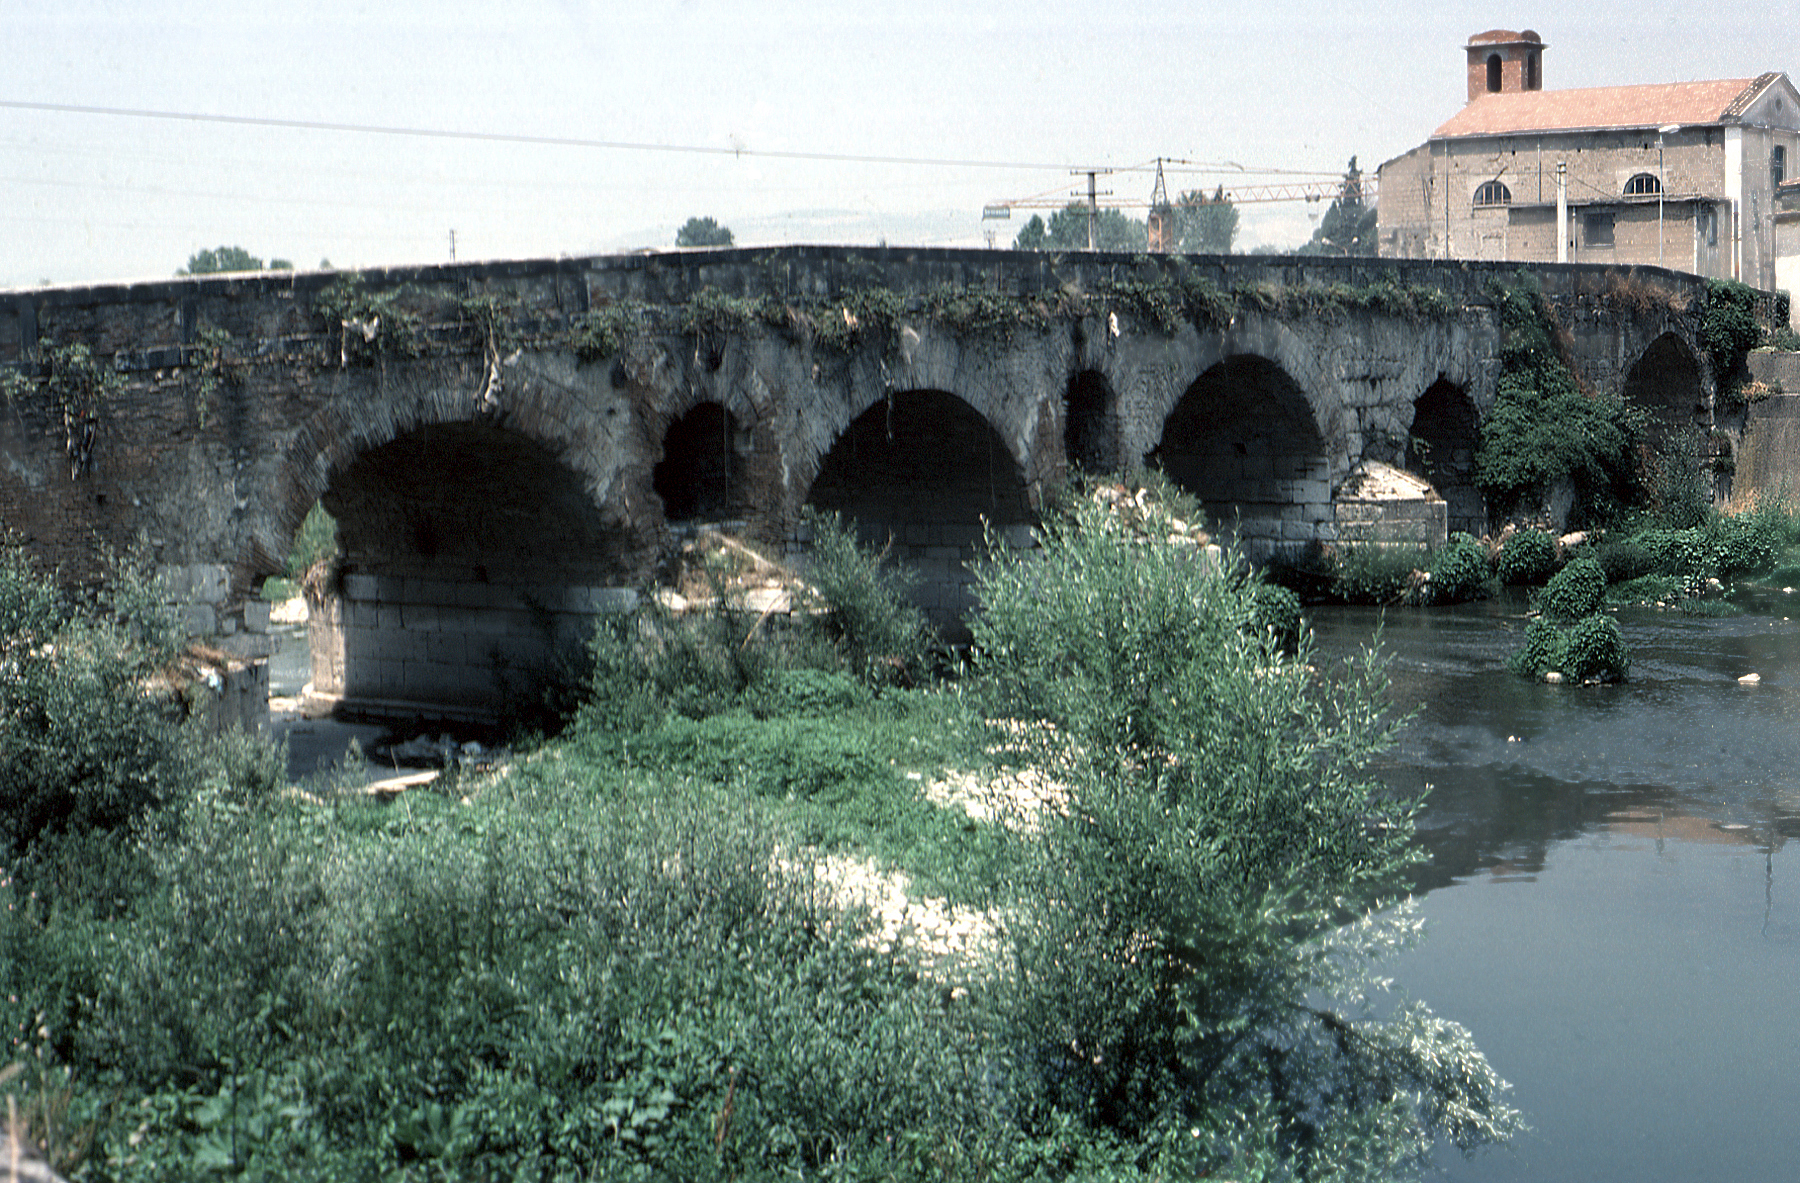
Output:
x=510 y=447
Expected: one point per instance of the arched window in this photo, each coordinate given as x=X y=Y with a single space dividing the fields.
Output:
x=1643 y=185
x=1493 y=64
x=1493 y=193
x=1534 y=80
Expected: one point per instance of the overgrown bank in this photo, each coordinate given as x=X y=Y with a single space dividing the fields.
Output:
x=621 y=958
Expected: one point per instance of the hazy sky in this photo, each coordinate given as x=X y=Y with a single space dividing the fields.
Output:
x=1267 y=84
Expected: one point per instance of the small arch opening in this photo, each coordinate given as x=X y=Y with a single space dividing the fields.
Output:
x=700 y=477
x=472 y=559
x=1441 y=448
x=1493 y=73
x=1090 y=424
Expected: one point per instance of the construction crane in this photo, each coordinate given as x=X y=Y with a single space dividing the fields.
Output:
x=1161 y=209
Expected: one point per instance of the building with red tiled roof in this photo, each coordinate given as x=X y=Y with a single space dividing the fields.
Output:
x=1682 y=174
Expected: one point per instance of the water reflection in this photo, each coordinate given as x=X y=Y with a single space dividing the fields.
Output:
x=1613 y=903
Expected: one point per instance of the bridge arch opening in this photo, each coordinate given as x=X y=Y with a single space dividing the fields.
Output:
x=1441 y=448
x=1665 y=381
x=921 y=471
x=701 y=476
x=470 y=558
x=1091 y=423
x=1243 y=441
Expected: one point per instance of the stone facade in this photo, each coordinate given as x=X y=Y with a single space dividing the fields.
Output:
x=1681 y=176
x=493 y=492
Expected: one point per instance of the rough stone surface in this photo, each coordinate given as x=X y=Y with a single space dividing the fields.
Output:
x=484 y=494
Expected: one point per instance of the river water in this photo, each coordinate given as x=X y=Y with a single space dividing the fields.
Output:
x=1613 y=900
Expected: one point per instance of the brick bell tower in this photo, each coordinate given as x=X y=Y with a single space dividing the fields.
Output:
x=1501 y=62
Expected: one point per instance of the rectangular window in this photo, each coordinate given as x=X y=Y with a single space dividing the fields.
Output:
x=1597 y=229
x=1777 y=165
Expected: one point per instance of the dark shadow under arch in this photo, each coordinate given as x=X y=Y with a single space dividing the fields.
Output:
x=1665 y=381
x=470 y=557
x=1091 y=424
x=1243 y=441
x=1441 y=448
x=701 y=474
x=921 y=471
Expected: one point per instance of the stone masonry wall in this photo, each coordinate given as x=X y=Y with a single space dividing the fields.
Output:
x=518 y=472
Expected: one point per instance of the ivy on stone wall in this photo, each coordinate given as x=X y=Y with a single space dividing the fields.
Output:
x=1729 y=329
x=371 y=327
x=1545 y=429
x=80 y=386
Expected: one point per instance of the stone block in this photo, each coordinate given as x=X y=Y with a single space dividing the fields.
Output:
x=419 y=617
x=361 y=587
x=256 y=616
x=247 y=646
x=197 y=620
x=613 y=599
x=388 y=617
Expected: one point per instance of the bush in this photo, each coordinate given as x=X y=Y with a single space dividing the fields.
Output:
x=1459 y=572
x=1172 y=923
x=1624 y=560
x=88 y=740
x=1594 y=649
x=1374 y=574
x=1528 y=557
x=870 y=617
x=1276 y=613
x=1575 y=591
x=1749 y=542
x=1544 y=429
x=1590 y=650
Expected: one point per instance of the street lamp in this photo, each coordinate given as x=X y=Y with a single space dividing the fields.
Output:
x=1666 y=130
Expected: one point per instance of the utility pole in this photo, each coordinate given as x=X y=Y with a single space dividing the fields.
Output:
x=1093 y=196
x=453 y=244
x=1562 y=211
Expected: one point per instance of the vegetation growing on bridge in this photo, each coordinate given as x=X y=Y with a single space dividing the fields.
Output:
x=1545 y=430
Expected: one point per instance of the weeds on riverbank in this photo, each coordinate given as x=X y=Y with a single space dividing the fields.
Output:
x=621 y=957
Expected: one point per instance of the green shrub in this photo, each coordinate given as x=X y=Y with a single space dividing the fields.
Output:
x=870 y=615
x=1528 y=557
x=91 y=734
x=1540 y=652
x=1276 y=613
x=1575 y=591
x=1374 y=574
x=1748 y=542
x=1624 y=559
x=1459 y=572
x=1171 y=924
x=1594 y=649
x=1679 y=479
x=1590 y=650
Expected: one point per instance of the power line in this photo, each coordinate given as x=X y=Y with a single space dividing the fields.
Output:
x=611 y=145
x=513 y=137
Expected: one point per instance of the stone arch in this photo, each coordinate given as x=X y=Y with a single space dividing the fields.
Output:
x=921 y=471
x=704 y=465
x=1243 y=440
x=1441 y=448
x=1091 y=423
x=476 y=544
x=1665 y=380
